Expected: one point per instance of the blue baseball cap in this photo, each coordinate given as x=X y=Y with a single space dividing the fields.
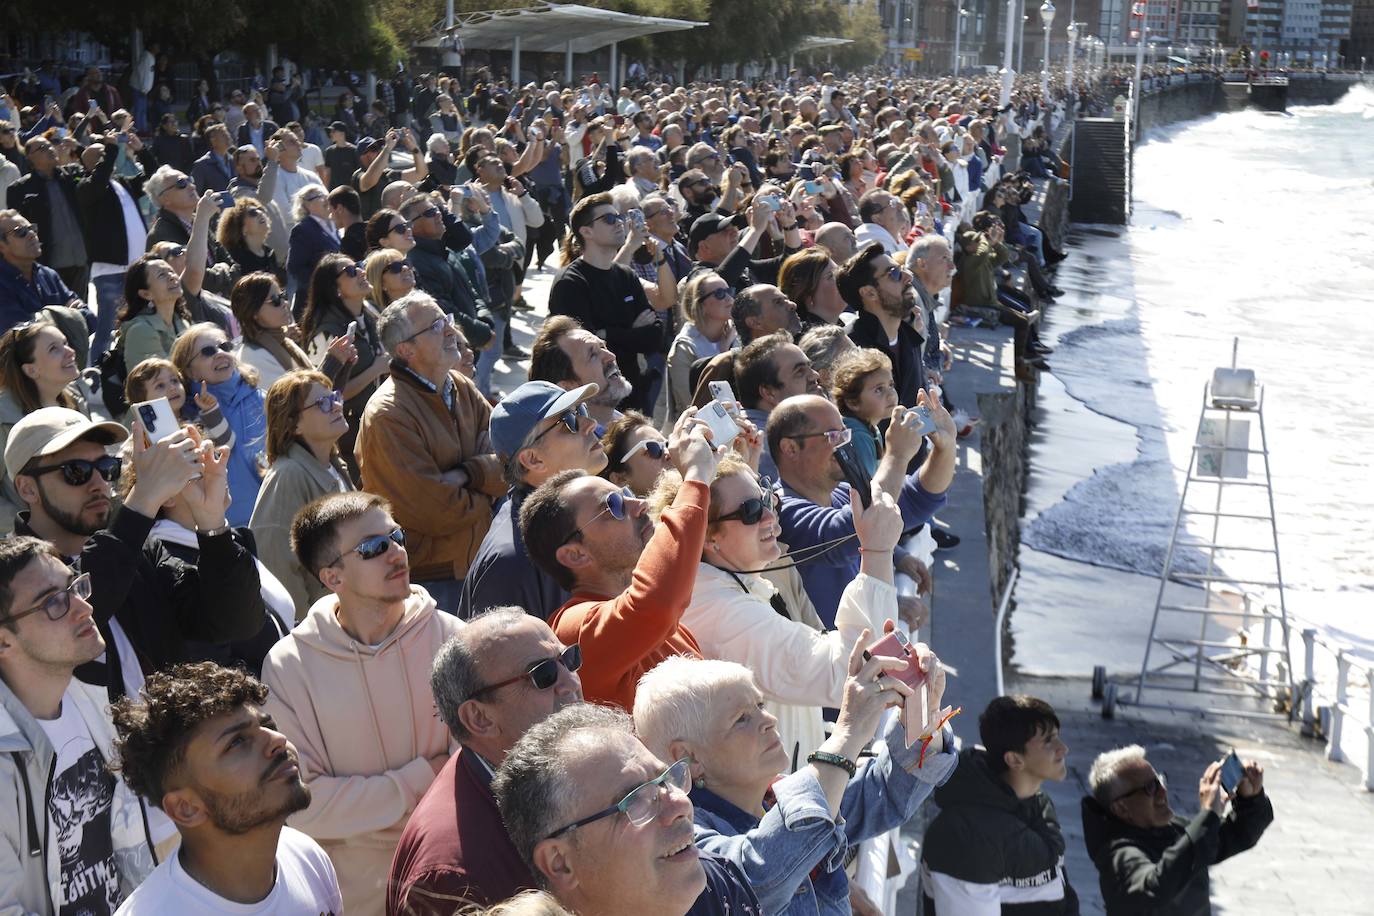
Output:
x=521 y=411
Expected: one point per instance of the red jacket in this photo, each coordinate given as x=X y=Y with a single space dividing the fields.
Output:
x=625 y=636
x=442 y=862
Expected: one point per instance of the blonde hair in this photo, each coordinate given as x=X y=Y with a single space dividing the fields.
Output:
x=185 y=350
x=377 y=263
x=670 y=481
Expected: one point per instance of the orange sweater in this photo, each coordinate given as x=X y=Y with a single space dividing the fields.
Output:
x=624 y=636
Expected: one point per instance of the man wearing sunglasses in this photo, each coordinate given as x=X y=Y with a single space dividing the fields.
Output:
x=47 y=198
x=607 y=827
x=150 y=606
x=538 y=430
x=26 y=285
x=883 y=294
x=440 y=272
x=68 y=818
x=1151 y=859
x=498 y=676
x=350 y=688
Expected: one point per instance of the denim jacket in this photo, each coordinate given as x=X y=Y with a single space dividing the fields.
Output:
x=794 y=855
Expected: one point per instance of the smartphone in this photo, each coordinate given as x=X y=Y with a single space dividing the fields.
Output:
x=157 y=418
x=814 y=187
x=725 y=395
x=92 y=105
x=923 y=414
x=895 y=645
x=352 y=332
x=226 y=200
x=771 y=202
x=854 y=472
x=723 y=427
x=1232 y=772
x=467 y=191
x=536 y=135
x=637 y=217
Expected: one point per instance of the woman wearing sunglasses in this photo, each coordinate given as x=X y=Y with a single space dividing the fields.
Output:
x=705 y=302
x=341 y=296
x=712 y=715
x=263 y=314
x=636 y=452
x=305 y=420
x=205 y=358
x=38 y=368
x=243 y=232
x=735 y=615
x=388 y=229
x=390 y=275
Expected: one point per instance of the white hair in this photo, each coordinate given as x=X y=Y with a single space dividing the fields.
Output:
x=298 y=208
x=624 y=197
x=161 y=180
x=674 y=701
x=1105 y=776
x=923 y=248
x=436 y=140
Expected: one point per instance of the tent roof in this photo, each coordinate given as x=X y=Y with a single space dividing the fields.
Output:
x=815 y=42
x=550 y=27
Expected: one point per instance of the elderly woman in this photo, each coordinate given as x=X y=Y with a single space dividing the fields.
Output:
x=705 y=301
x=790 y=835
x=824 y=346
x=243 y=232
x=732 y=611
x=305 y=419
x=313 y=236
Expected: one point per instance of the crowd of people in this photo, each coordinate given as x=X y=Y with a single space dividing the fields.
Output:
x=300 y=613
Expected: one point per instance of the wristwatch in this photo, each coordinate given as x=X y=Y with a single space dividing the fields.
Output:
x=222 y=529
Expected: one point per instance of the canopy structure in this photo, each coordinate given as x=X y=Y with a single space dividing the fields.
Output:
x=545 y=27
x=815 y=43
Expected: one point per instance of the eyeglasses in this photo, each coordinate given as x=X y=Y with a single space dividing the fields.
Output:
x=311 y=198
x=370 y=548
x=402 y=228
x=656 y=449
x=223 y=346
x=77 y=472
x=643 y=802
x=835 y=437
x=543 y=674
x=722 y=294
x=615 y=505
x=436 y=326
x=19 y=232
x=397 y=267
x=327 y=402
x=570 y=418
x=1159 y=782
x=59 y=603
x=750 y=512
x=352 y=270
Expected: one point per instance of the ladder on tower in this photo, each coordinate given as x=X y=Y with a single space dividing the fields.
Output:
x=1200 y=655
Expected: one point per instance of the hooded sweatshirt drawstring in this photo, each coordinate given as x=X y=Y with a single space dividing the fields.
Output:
x=371 y=709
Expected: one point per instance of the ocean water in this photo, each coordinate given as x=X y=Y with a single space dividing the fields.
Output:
x=1247 y=225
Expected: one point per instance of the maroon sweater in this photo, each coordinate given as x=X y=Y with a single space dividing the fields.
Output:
x=455 y=849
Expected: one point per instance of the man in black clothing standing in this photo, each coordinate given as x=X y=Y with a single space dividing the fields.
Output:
x=341 y=156
x=47 y=199
x=606 y=297
x=881 y=292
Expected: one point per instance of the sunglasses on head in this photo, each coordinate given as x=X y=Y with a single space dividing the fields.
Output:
x=656 y=449
x=750 y=512
x=369 y=548
x=223 y=346
x=614 y=506
x=570 y=420
x=77 y=472
x=543 y=674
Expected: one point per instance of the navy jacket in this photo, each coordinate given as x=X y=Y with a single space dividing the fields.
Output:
x=501 y=572
x=309 y=242
x=212 y=173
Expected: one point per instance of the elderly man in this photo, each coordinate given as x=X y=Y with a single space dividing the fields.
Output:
x=423 y=444
x=884 y=219
x=446 y=274
x=763 y=309
x=492 y=680
x=838 y=241
x=1150 y=859
x=254 y=131
x=627 y=577
x=932 y=267
x=606 y=826
x=46 y=197
x=350 y=688
x=804 y=433
x=570 y=356
x=538 y=430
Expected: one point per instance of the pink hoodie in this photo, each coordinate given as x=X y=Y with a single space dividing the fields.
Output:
x=364 y=724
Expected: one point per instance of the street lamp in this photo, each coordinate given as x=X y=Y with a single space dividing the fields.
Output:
x=1008 y=74
x=1047 y=20
x=1072 y=32
x=960 y=15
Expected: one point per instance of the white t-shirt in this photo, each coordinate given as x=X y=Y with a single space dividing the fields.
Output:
x=306 y=886
x=79 y=806
x=312 y=157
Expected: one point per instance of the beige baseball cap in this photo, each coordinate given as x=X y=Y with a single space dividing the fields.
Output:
x=51 y=429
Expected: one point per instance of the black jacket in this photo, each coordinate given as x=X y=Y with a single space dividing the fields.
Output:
x=160 y=602
x=1164 y=870
x=437 y=273
x=29 y=195
x=985 y=835
x=269 y=128
x=102 y=216
x=908 y=361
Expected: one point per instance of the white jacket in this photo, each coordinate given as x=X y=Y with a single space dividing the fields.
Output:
x=799 y=669
x=524 y=213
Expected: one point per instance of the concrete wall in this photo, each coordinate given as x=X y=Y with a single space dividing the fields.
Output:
x=1179 y=103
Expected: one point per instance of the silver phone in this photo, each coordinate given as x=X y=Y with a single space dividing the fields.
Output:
x=723 y=427
x=722 y=392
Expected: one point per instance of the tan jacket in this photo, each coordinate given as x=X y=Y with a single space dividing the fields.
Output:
x=362 y=719
x=407 y=439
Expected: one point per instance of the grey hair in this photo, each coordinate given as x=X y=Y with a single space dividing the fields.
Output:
x=637 y=155
x=454 y=676
x=435 y=139
x=923 y=248
x=1105 y=777
x=823 y=344
x=298 y=210
x=674 y=701
x=624 y=198
x=159 y=181
x=394 y=326
x=531 y=785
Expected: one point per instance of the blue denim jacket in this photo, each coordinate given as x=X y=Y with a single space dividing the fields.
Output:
x=794 y=855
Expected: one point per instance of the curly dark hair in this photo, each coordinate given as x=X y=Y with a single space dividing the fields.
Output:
x=153 y=734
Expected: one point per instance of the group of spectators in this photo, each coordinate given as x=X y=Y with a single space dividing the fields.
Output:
x=300 y=613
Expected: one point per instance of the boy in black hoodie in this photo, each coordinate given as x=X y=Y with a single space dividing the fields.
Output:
x=996 y=846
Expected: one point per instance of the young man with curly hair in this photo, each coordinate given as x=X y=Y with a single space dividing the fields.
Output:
x=201 y=748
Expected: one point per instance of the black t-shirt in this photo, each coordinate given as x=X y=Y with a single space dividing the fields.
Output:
x=342 y=162
x=372 y=197
x=607 y=302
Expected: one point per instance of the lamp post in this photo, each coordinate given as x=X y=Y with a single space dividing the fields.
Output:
x=959 y=14
x=1046 y=20
x=1007 y=73
x=1072 y=32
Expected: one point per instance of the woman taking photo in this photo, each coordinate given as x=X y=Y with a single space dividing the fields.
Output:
x=305 y=419
x=706 y=331
x=205 y=358
x=336 y=302
x=38 y=368
x=243 y=232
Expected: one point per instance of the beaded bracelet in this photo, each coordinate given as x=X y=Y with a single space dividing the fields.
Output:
x=835 y=760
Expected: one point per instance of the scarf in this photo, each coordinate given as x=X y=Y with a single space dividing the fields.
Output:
x=283 y=349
